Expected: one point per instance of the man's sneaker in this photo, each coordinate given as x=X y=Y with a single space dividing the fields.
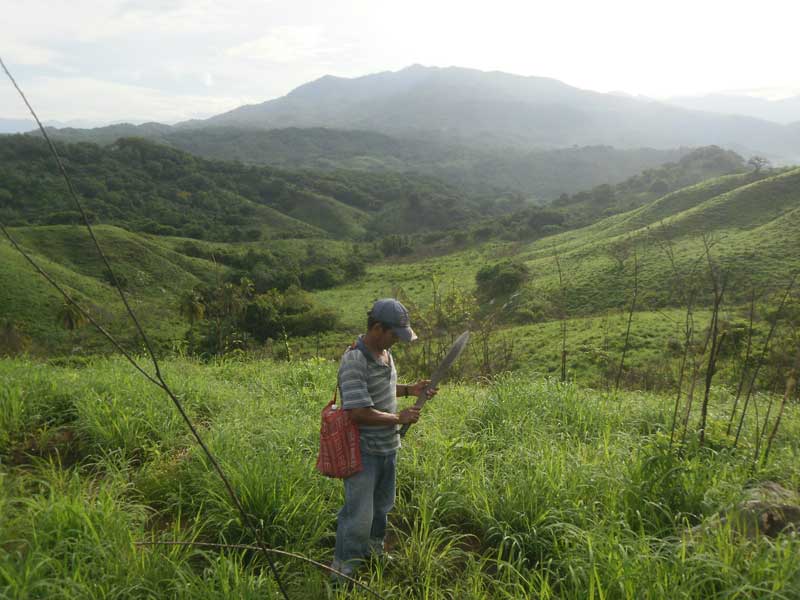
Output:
x=343 y=568
x=376 y=547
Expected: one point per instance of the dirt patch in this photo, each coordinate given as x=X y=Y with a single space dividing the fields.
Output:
x=62 y=443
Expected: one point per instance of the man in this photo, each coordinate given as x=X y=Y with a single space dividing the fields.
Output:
x=369 y=390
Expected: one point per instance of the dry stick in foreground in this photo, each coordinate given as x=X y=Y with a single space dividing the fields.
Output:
x=716 y=339
x=745 y=363
x=763 y=433
x=689 y=335
x=713 y=354
x=630 y=318
x=562 y=316
x=761 y=359
x=695 y=371
x=697 y=360
x=687 y=293
x=791 y=385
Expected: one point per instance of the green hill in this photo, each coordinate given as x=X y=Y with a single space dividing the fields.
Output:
x=152 y=275
x=155 y=272
x=746 y=207
x=144 y=187
x=669 y=184
x=147 y=187
x=541 y=174
x=735 y=219
x=752 y=226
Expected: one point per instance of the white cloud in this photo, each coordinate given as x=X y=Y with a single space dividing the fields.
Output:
x=283 y=45
x=84 y=98
x=777 y=93
x=29 y=54
x=189 y=50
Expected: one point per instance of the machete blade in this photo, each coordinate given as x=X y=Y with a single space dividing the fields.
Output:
x=455 y=351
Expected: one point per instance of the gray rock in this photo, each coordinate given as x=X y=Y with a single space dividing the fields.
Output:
x=768 y=509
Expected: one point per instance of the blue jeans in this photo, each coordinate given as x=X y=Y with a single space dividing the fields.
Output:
x=368 y=498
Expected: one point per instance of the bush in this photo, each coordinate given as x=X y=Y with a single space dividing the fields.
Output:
x=320 y=278
x=501 y=279
x=316 y=320
x=659 y=187
x=263 y=318
x=396 y=245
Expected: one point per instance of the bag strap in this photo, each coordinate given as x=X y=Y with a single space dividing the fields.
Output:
x=352 y=346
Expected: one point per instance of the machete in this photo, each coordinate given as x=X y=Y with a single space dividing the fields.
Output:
x=455 y=350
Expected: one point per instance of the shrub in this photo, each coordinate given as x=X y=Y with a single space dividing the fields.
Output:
x=501 y=279
x=319 y=278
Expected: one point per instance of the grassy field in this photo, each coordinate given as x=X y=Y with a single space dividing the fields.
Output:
x=522 y=488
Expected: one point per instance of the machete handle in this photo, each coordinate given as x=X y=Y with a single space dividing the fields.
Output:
x=421 y=399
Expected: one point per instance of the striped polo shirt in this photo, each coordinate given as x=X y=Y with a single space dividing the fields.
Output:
x=364 y=382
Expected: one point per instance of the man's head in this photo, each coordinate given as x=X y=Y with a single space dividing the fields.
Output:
x=390 y=314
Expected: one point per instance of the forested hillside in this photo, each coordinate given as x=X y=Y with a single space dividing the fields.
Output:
x=587 y=206
x=539 y=174
x=148 y=187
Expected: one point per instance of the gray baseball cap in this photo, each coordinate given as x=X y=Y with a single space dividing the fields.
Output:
x=394 y=314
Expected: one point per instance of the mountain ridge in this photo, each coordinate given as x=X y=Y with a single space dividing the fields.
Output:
x=459 y=105
x=473 y=106
x=785 y=110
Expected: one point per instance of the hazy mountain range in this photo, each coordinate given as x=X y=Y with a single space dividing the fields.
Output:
x=786 y=110
x=494 y=109
x=23 y=125
x=16 y=125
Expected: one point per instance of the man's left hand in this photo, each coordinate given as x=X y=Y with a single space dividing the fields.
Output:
x=415 y=389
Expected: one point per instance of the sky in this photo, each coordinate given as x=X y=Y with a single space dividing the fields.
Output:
x=102 y=61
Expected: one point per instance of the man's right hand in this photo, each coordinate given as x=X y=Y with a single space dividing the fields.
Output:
x=409 y=415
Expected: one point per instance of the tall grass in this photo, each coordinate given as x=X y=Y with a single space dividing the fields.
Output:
x=523 y=488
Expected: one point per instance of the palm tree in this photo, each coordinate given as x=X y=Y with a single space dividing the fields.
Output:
x=12 y=340
x=192 y=306
x=70 y=317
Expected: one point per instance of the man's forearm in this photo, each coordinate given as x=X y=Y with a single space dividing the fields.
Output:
x=370 y=416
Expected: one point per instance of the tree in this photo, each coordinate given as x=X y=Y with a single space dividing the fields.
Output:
x=501 y=279
x=759 y=163
x=395 y=245
x=70 y=317
x=192 y=306
x=603 y=194
x=12 y=340
x=319 y=278
x=620 y=252
x=660 y=187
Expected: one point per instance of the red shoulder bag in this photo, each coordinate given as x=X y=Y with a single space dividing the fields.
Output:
x=339 y=447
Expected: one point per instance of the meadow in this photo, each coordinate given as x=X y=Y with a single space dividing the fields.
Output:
x=519 y=487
